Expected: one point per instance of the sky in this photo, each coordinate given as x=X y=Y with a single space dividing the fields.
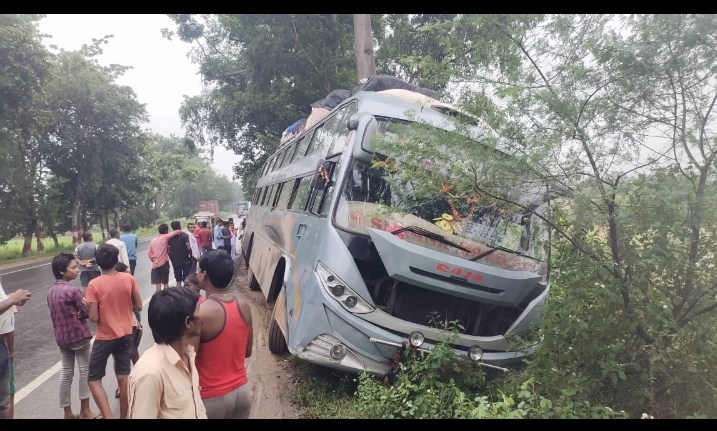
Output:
x=162 y=73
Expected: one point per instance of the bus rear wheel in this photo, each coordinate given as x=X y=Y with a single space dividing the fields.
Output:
x=253 y=282
x=277 y=342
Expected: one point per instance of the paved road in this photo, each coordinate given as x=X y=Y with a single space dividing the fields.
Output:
x=36 y=353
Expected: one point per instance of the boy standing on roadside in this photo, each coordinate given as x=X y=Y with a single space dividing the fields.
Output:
x=112 y=298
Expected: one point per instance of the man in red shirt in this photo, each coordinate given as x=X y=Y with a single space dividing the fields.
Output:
x=205 y=238
x=160 y=257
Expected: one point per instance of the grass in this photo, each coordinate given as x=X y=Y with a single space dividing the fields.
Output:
x=323 y=393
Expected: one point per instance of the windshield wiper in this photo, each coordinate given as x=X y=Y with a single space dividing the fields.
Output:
x=496 y=248
x=431 y=235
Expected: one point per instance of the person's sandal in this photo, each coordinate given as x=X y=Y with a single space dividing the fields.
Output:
x=117 y=395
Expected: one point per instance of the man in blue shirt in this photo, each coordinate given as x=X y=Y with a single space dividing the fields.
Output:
x=218 y=235
x=131 y=242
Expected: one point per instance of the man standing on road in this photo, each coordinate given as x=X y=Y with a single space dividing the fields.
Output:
x=195 y=247
x=85 y=253
x=158 y=255
x=117 y=242
x=112 y=298
x=7 y=312
x=218 y=235
x=205 y=238
x=131 y=243
x=164 y=383
x=225 y=341
x=180 y=253
x=7 y=329
x=69 y=315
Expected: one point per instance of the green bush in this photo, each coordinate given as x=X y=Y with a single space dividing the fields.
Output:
x=441 y=385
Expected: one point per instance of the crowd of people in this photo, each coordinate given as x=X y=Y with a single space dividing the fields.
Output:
x=202 y=332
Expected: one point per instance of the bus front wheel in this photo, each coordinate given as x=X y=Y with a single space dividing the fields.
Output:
x=277 y=342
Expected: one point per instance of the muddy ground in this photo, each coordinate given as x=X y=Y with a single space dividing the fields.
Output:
x=272 y=378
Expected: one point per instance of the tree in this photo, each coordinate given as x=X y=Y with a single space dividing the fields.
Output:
x=364 y=55
x=25 y=70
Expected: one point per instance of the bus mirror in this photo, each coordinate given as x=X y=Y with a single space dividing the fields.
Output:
x=366 y=127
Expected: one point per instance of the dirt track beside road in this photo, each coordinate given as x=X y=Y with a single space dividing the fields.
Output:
x=270 y=376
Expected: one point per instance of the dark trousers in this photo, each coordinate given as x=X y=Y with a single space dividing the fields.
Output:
x=132 y=266
x=194 y=266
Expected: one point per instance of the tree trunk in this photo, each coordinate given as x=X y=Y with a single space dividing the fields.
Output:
x=76 y=218
x=117 y=218
x=54 y=239
x=29 y=232
x=102 y=226
x=105 y=214
x=38 y=236
x=363 y=43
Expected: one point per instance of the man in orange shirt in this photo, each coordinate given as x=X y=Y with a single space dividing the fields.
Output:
x=112 y=298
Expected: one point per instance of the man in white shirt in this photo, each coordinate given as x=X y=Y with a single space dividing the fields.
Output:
x=121 y=246
x=195 y=247
x=7 y=346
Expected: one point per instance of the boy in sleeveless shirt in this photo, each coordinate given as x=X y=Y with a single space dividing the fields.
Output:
x=225 y=342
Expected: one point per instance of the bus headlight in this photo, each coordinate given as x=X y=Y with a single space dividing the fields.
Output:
x=475 y=353
x=416 y=339
x=339 y=291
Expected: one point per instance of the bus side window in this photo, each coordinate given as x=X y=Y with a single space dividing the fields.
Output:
x=294 y=188
x=289 y=154
x=302 y=194
x=267 y=195
x=255 y=198
x=279 y=187
x=321 y=200
x=286 y=190
x=311 y=144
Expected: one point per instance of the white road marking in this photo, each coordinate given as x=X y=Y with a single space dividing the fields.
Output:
x=48 y=263
x=42 y=378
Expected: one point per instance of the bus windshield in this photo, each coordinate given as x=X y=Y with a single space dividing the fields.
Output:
x=436 y=213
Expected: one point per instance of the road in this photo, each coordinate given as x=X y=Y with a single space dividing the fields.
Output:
x=37 y=357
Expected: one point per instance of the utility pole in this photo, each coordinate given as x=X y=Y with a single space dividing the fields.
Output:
x=363 y=43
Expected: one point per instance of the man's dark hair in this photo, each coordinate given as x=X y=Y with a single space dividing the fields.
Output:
x=60 y=263
x=176 y=225
x=121 y=267
x=204 y=224
x=163 y=228
x=192 y=278
x=219 y=222
x=168 y=312
x=86 y=236
x=107 y=256
x=126 y=228
x=219 y=266
x=114 y=233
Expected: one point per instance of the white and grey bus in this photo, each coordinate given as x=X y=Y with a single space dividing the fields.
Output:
x=351 y=284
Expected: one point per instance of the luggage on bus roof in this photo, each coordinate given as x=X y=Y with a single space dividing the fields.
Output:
x=332 y=100
x=386 y=82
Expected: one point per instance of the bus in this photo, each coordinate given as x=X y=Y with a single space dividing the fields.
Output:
x=351 y=284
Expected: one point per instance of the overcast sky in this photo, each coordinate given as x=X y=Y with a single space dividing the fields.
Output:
x=161 y=75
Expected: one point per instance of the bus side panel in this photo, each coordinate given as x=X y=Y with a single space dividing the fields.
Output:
x=263 y=260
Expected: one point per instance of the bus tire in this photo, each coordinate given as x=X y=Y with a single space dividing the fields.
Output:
x=253 y=282
x=277 y=342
